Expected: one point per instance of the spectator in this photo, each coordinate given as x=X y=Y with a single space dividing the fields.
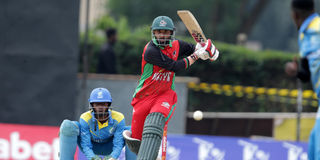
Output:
x=107 y=60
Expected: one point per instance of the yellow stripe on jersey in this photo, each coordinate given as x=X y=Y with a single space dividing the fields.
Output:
x=315 y=24
x=318 y=83
x=86 y=116
x=93 y=133
x=301 y=36
x=114 y=114
x=117 y=116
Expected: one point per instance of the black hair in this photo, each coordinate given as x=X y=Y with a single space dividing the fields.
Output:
x=305 y=5
x=303 y=8
x=111 y=32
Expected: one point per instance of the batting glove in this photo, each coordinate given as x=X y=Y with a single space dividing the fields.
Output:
x=215 y=56
x=207 y=51
x=201 y=53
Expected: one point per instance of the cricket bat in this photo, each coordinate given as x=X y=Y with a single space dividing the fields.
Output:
x=192 y=25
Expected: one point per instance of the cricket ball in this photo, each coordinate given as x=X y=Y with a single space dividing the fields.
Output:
x=197 y=115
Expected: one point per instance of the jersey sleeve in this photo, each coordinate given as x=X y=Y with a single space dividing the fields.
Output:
x=185 y=48
x=153 y=55
x=85 y=141
x=118 y=140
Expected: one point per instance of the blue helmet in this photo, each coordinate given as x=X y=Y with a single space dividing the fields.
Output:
x=100 y=95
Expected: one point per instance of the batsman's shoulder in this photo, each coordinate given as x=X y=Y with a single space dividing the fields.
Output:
x=151 y=47
x=118 y=116
x=86 y=116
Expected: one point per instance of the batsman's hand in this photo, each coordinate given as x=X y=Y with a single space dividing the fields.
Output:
x=207 y=51
x=215 y=56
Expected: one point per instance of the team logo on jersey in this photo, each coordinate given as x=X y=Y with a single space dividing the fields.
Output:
x=111 y=130
x=164 y=76
x=100 y=95
x=98 y=140
x=163 y=23
x=165 y=104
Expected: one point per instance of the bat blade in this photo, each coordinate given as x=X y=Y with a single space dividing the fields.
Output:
x=192 y=25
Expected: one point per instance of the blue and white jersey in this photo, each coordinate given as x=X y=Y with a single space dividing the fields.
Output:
x=94 y=131
x=309 y=44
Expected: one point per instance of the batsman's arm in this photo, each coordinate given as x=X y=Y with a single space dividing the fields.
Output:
x=153 y=55
x=186 y=48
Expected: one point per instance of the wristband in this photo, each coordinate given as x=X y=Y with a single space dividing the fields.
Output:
x=194 y=57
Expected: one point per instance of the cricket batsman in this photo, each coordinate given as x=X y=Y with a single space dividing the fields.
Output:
x=155 y=99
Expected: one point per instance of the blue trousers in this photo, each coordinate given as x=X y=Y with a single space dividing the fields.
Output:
x=314 y=140
x=69 y=139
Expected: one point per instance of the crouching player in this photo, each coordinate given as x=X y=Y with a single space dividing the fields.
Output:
x=99 y=131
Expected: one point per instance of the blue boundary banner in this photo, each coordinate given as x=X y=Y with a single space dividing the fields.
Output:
x=200 y=147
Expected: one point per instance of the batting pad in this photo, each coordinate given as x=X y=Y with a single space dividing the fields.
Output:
x=133 y=144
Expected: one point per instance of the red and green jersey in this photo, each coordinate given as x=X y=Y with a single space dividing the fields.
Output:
x=159 y=67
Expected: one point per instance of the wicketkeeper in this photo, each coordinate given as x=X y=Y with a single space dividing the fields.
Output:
x=98 y=132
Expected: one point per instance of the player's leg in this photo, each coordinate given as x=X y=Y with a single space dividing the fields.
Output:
x=141 y=110
x=133 y=144
x=151 y=136
x=128 y=153
x=314 y=140
x=165 y=104
x=69 y=132
x=133 y=138
x=161 y=111
x=311 y=145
